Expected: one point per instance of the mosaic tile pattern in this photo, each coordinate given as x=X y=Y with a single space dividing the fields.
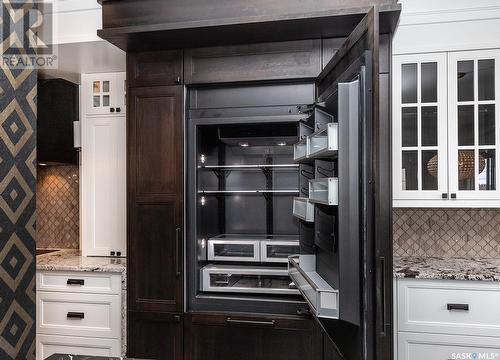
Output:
x=17 y=194
x=57 y=207
x=464 y=233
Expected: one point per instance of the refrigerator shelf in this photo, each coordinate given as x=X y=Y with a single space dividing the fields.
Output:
x=324 y=142
x=303 y=208
x=324 y=191
x=291 y=191
x=321 y=297
x=249 y=167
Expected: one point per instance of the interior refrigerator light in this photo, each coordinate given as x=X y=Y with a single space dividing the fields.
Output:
x=203 y=201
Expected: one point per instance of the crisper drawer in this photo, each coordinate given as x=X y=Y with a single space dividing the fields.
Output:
x=449 y=307
x=78 y=314
x=278 y=251
x=47 y=345
x=233 y=250
x=243 y=279
x=415 y=346
x=78 y=281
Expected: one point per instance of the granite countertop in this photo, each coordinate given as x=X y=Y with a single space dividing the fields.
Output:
x=447 y=268
x=72 y=260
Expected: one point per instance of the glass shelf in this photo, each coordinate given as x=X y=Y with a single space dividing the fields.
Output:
x=323 y=142
x=249 y=167
x=324 y=191
x=303 y=209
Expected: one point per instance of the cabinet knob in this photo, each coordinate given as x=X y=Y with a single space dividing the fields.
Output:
x=118 y=109
x=111 y=109
x=177 y=318
x=444 y=195
x=453 y=196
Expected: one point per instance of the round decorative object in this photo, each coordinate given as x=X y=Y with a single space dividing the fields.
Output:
x=465 y=165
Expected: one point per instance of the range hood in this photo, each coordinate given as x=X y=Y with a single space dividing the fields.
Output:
x=57 y=116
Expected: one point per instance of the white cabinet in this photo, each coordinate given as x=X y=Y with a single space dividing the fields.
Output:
x=70 y=318
x=446 y=129
x=103 y=170
x=444 y=319
x=104 y=93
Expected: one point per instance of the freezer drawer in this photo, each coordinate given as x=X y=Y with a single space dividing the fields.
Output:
x=243 y=279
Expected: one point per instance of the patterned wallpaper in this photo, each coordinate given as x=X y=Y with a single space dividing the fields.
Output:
x=469 y=233
x=17 y=208
x=57 y=207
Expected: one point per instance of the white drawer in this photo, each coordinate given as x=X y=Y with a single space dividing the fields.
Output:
x=414 y=346
x=430 y=306
x=58 y=314
x=78 y=281
x=47 y=345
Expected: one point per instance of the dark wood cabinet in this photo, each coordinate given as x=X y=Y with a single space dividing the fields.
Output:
x=245 y=337
x=155 y=336
x=155 y=199
x=150 y=68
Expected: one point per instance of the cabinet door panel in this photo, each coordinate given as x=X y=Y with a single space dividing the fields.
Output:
x=154 y=68
x=156 y=261
x=224 y=337
x=155 y=336
x=156 y=140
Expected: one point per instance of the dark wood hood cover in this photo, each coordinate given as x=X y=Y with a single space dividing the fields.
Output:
x=138 y=25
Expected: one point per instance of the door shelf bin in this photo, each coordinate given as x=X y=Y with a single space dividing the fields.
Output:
x=324 y=191
x=323 y=142
x=322 y=298
x=303 y=208
x=300 y=150
x=247 y=279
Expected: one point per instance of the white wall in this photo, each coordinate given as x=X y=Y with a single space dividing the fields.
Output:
x=447 y=25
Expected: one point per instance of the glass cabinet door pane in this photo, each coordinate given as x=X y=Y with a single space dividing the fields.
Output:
x=429 y=82
x=466 y=125
x=234 y=250
x=409 y=126
x=96 y=87
x=105 y=86
x=486 y=124
x=466 y=174
x=105 y=100
x=465 y=75
x=486 y=169
x=429 y=170
x=429 y=126
x=409 y=83
x=96 y=100
x=410 y=170
x=486 y=79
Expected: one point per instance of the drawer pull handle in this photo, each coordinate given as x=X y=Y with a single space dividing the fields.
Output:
x=250 y=322
x=75 y=315
x=461 y=307
x=75 y=282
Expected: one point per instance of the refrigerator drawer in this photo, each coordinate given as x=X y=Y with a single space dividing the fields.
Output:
x=323 y=299
x=303 y=209
x=324 y=191
x=278 y=251
x=243 y=279
x=233 y=250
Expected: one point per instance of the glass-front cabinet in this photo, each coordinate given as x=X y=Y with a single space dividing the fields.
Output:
x=445 y=129
x=474 y=128
x=105 y=93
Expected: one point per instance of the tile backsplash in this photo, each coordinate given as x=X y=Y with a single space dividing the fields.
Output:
x=57 y=206
x=469 y=233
